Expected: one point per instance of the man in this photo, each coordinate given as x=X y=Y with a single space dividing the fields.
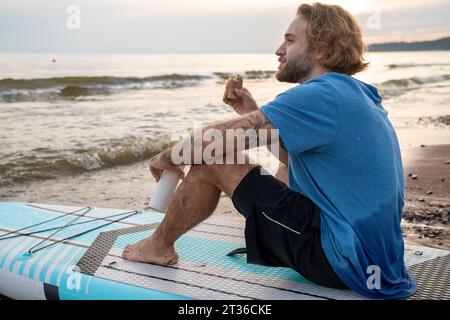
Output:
x=336 y=219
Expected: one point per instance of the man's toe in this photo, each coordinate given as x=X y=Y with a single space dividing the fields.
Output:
x=126 y=252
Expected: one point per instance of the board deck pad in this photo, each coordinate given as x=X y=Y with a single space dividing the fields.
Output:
x=91 y=267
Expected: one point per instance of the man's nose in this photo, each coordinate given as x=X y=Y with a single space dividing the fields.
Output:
x=280 y=51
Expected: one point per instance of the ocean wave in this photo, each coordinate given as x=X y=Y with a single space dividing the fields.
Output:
x=90 y=81
x=251 y=74
x=441 y=122
x=395 y=87
x=405 y=82
x=50 y=89
x=46 y=163
x=20 y=90
x=415 y=65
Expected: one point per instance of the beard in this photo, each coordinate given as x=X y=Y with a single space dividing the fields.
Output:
x=297 y=69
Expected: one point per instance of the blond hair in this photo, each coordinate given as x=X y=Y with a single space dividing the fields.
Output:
x=335 y=29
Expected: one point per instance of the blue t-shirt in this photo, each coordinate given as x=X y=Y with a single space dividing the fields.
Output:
x=344 y=155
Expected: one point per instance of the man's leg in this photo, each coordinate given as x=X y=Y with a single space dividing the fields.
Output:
x=195 y=200
x=282 y=173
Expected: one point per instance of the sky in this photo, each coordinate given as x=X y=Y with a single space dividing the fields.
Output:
x=196 y=26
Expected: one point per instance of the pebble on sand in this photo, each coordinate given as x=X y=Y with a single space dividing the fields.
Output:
x=429 y=192
x=414 y=176
x=447 y=162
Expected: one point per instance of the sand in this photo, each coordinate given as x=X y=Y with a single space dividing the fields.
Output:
x=426 y=213
x=125 y=187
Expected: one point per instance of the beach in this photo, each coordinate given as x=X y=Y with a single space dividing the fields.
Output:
x=426 y=214
x=80 y=131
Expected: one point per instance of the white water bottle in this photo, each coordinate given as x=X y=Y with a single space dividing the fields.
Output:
x=164 y=191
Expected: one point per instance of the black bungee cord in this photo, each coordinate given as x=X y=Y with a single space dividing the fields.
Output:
x=69 y=225
x=59 y=229
x=8 y=235
x=43 y=222
x=84 y=232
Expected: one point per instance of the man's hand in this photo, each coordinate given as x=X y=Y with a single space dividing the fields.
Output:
x=162 y=162
x=245 y=103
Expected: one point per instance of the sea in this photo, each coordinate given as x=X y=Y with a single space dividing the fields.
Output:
x=68 y=114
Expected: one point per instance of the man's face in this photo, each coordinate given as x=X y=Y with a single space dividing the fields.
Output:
x=296 y=61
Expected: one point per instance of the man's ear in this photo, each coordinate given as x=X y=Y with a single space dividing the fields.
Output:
x=320 y=52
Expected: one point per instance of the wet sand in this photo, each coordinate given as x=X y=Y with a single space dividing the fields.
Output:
x=125 y=187
x=427 y=193
x=426 y=213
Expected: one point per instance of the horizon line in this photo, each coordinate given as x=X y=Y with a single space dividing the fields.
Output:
x=222 y=53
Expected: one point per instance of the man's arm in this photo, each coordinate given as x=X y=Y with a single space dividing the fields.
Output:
x=284 y=156
x=247 y=104
x=255 y=121
x=282 y=153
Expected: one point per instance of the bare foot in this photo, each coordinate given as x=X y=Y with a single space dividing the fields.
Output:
x=146 y=251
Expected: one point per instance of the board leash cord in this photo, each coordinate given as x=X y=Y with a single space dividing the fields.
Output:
x=71 y=223
x=67 y=226
x=30 y=251
x=43 y=222
x=84 y=232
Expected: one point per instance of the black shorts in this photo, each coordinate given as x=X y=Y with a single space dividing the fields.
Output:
x=282 y=228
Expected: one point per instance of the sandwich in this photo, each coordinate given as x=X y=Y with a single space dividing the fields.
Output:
x=232 y=83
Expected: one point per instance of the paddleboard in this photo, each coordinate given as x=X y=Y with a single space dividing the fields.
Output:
x=60 y=252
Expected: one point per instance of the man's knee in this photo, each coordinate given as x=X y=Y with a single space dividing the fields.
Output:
x=224 y=176
x=216 y=170
x=203 y=170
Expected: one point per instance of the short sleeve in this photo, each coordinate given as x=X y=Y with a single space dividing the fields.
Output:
x=305 y=116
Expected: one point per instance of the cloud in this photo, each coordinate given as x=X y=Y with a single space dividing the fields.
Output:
x=424 y=22
x=196 y=26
